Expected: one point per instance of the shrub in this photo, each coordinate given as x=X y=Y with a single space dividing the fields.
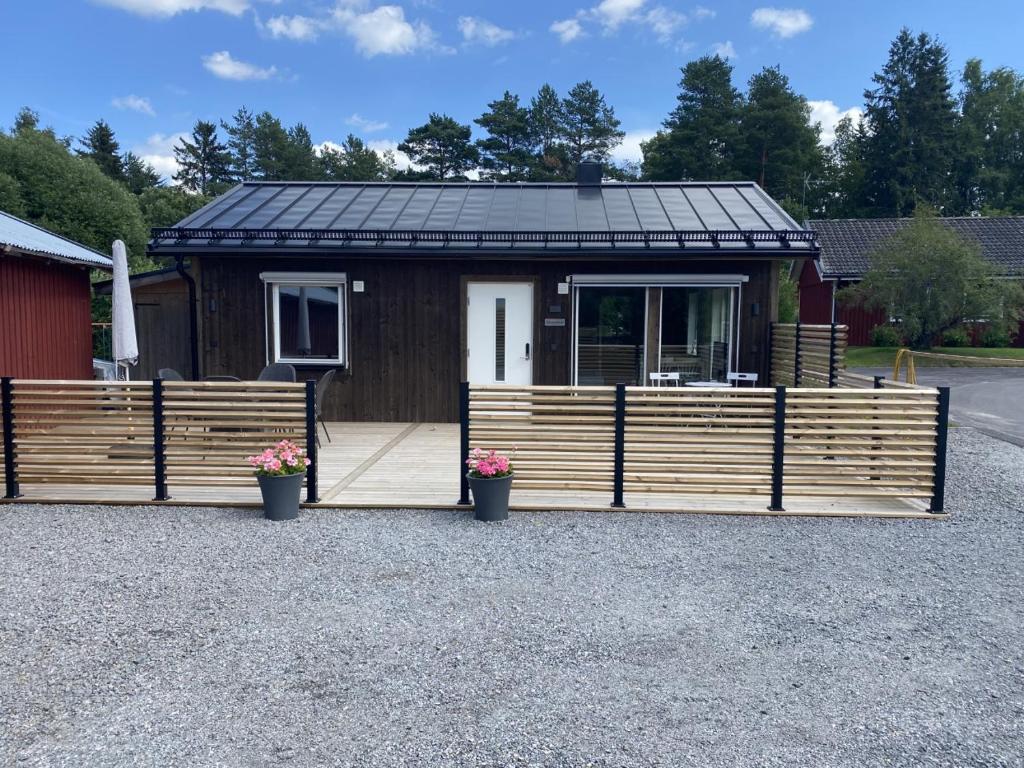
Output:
x=885 y=336
x=995 y=337
x=956 y=337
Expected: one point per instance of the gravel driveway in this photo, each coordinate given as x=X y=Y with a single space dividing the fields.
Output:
x=192 y=637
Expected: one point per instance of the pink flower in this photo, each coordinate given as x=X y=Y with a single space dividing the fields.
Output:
x=275 y=464
x=292 y=461
x=306 y=462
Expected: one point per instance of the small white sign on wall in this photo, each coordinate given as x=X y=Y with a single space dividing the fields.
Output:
x=563 y=289
x=358 y=286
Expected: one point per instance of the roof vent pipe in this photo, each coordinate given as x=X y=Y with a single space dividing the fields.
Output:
x=589 y=173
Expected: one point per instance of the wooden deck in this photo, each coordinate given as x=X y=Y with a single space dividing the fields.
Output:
x=414 y=466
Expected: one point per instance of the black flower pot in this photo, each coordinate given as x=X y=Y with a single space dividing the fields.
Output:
x=490 y=497
x=281 y=494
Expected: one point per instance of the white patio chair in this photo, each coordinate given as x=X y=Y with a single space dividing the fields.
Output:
x=664 y=379
x=736 y=379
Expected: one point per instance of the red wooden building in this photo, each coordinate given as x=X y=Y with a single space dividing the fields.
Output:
x=45 y=302
x=846 y=246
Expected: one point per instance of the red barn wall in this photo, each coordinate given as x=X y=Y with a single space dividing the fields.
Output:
x=815 y=296
x=45 y=319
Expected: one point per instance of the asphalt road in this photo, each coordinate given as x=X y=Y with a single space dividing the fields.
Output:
x=989 y=399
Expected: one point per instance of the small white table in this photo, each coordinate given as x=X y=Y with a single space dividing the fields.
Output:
x=706 y=384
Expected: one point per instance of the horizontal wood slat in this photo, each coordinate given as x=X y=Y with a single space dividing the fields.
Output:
x=91 y=432
x=719 y=441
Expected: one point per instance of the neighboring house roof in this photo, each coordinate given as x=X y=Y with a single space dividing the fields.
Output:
x=28 y=238
x=433 y=216
x=846 y=244
x=138 y=280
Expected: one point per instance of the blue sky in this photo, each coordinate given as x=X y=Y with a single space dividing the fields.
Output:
x=378 y=67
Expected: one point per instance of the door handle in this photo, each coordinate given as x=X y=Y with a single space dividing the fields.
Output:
x=527 y=351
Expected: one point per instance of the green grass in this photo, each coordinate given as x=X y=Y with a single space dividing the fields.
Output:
x=883 y=357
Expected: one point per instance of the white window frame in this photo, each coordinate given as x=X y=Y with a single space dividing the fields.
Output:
x=272 y=282
x=733 y=281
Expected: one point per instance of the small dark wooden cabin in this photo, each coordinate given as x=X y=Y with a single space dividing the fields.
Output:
x=846 y=246
x=45 y=302
x=408 y=288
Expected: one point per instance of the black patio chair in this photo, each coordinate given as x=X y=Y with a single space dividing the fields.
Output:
x=321 y=392
x=277 y=372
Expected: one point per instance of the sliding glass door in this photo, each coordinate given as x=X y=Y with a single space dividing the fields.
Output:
x=610 y=335
x=671 y=325
x=695 y=332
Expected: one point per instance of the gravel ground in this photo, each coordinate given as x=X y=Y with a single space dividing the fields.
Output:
x=196 y=637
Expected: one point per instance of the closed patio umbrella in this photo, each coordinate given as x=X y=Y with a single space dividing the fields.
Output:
x=124 y=342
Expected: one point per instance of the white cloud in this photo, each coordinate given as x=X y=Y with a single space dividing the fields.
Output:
x=700 y=12
x=477 y=30
x=384 y=30
x=828 y=114
x=402 y=160
x=293 y=27
x=782 y=22
x=223 y=65
x=166 y=8
x=629 y=150
x=611 y=15
x=134 y=103
x=369 y=126
x=664 y=22
x=158 y=151
x=567 y=29
x=726 y=50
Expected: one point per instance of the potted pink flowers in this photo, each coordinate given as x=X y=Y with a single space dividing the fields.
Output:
x=279 y=471
x=490 y=478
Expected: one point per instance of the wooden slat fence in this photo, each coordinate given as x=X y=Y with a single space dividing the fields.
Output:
x=696 y=440
x=99 y=432
x=563 y=437
x=210 y=427
x=807 y=355
x=864 y=443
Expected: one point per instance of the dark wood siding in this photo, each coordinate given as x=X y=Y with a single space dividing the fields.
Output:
x=45 y=317
x=406 y=328
x=161 y=325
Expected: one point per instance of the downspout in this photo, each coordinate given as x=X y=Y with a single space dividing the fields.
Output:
x=193 y=322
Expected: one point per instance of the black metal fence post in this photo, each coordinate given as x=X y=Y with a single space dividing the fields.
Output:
x=878 y=381
x=796 y=355
x=159 y=450
x=463 y=443
x=941 y=435
x=771 y=351
x=620 y=445
x=832 y=357
x=778 y=450
x=12 y=491
x=312 y=471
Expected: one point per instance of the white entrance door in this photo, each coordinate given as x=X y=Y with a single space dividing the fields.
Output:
x=499 y=333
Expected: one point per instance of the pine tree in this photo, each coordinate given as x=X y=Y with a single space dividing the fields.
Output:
x=546 y=123
x=442 y=146
x=241 y=144
x=138 y=174
x=270 y=148
x=842 y=189
x=203 y=162
x=778 y=146
x=989 y=165
x=100 y=146
x=300 y=159
x=701 y=135
x=589 y=125
x=911 y=119
x=355 y=162
x=506 y=153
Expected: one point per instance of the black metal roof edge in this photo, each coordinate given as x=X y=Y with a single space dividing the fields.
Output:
x=212 y=235
x=573 y=253
x=508 y=184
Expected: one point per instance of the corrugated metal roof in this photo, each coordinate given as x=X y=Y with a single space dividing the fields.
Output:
x=423 y=216
x=27 y=237
x=846 y=244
